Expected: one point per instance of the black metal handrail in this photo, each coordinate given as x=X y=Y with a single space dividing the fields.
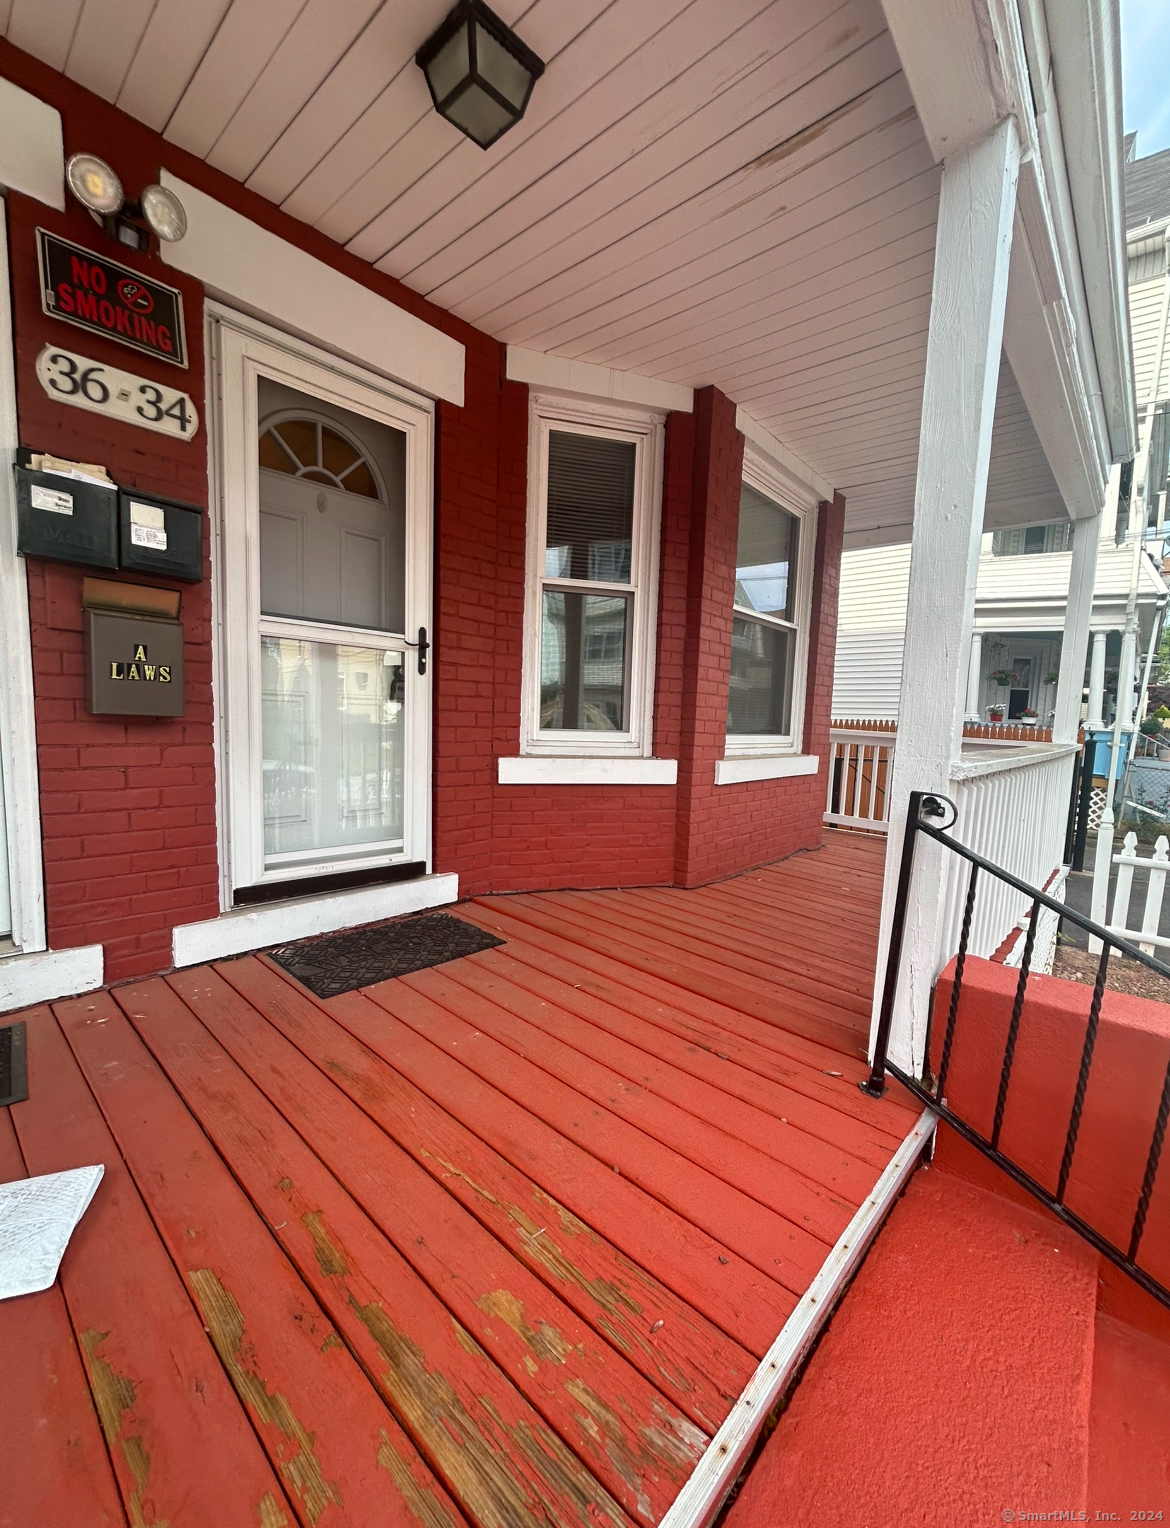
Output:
x=924 y=805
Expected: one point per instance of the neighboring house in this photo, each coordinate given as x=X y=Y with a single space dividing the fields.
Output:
x=1023 y=572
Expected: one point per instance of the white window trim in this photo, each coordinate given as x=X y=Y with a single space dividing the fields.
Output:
x=239 y=350
x=646 y=428
x=560 y=770
x=769 y=479
x=765 y=767
x=18 y=738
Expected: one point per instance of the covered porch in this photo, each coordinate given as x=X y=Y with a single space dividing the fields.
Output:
x=499 y=1242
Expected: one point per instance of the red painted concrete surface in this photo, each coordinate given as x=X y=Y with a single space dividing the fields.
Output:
x=128 y=810
x=1121 y=1099
x=1129 y=1425
x=954 y=1382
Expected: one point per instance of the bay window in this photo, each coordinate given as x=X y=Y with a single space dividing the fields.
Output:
x=769 y=625
x=595 y=475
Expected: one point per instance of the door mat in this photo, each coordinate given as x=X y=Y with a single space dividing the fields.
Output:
x=13 y=1069
x=343 y=962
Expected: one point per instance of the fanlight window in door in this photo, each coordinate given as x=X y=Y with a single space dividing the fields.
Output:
x=312 y=449
x=332 y=591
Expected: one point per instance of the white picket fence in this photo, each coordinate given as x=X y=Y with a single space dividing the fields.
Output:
x=1147 y=937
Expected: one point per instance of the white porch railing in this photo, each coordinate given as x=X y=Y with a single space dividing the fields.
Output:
x=859 y=773
x=1147 y=937
x=1013 y=810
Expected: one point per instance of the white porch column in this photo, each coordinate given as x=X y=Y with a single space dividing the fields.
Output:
x=1078 y=612
x=972 y=250
x=974 y=670
x=1096 y=719
x=1125 y=679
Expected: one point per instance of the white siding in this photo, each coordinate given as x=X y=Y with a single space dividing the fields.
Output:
x=1145 y=315
x=871 y=623
x=868 y=676
x=874 y=584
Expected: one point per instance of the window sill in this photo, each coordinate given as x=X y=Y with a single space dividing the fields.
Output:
x=252 y=928
x=765 y=767
x=563 y=770
x=44 y=975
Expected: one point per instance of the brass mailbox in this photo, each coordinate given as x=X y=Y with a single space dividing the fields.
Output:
x=134 y=664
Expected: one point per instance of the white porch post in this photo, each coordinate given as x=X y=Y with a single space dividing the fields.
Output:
x=972 y=251
x=1096 y=719
x=1078 y=612
x=974 y=668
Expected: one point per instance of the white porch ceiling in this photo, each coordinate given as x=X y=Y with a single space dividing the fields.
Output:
x=735 y=192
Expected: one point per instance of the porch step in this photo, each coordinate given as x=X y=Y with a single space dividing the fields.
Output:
x=1129 y=1434
x=953 y=1384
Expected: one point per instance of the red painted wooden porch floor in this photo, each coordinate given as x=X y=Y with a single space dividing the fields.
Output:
x=497 y=1243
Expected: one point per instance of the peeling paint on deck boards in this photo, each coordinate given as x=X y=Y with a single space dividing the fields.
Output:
x=113 y=1396
x=225 y=1322
x=117 y=1279
x=315 y=1389
x=533 y=1241
x=258 y=1142
x=470 y=1460
x=696 y=1364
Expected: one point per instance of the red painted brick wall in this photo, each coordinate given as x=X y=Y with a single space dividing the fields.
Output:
x=127 y=804
x=727 y=828
x=128 y=808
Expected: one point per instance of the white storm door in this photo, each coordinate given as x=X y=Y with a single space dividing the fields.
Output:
x=323 y=582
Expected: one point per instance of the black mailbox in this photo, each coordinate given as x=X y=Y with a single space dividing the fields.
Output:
x=66 y=519
x=160 y=536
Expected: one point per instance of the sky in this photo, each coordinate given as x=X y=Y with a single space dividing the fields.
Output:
x=1145 y=66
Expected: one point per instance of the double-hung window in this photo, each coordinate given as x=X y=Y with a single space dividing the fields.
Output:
x=769 y=628
x=594 y=487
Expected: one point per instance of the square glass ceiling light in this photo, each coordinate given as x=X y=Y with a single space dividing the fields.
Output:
x=479 y=73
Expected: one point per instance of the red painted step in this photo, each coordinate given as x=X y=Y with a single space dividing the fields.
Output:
x=1129 y=1430
x=953 y=1384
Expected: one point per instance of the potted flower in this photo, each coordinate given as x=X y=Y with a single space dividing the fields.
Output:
x=1004 y=678
x=1029 y=717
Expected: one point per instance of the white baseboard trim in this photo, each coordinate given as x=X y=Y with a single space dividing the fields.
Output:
x=554 y=769
x=765 y=767
x=46 y=975
x=253 y=928
x=717 y=1471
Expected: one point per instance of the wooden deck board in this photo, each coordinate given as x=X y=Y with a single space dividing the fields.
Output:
x=743 y=1103
x=176 y=1434
x=697 y=1265
x=687 y=1358
x=495 y=1244
x=624 y=1429
x=806 y=1177
x=775 y=1245
x=58 y=1469
x=328 y=1432
x=738 y=1066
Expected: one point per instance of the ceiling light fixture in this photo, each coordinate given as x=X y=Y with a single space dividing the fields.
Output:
x=479 y=73
x=99 y=191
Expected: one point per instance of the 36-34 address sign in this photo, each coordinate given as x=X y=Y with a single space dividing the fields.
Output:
x=85 y=384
